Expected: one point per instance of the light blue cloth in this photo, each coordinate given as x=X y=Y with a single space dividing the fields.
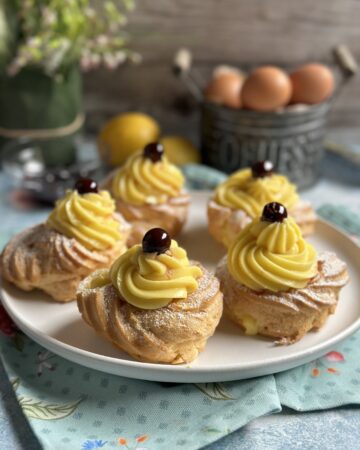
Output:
x=328 y=382
x=72 y=407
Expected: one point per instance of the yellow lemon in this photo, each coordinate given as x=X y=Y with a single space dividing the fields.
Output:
x=180 y=150
x=126 y=134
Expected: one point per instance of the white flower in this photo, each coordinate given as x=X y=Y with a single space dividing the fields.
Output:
x=95 y=59
x=57 y=57
x=110 y=61
x=102 y=40
x=120 y=57
x=16 y=65
x=90 y=13
x=49 y=16
x=33 y=42
x=85 y=63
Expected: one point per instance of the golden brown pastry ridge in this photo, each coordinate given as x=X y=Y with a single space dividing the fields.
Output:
x=285 y=316
x=225 y=223
x=42 y=258
x=173 y=334
x=170 y=215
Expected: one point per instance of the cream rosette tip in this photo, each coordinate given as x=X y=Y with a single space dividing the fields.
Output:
x=151 y=280
x=88 y=218
x=272 y=256
x=141 y=181
x=247 y=193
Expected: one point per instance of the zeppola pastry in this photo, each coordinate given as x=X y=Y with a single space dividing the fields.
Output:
x=273 y=281
x=83 y=233
x=149 y=193
x=240 y=198
x=153 y=303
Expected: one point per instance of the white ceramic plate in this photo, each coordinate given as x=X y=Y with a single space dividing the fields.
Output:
x=229 y=355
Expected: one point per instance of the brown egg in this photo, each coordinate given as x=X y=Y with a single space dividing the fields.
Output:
x=312 y=83
x=266 y=89
x=225 y=88
x=223 y=68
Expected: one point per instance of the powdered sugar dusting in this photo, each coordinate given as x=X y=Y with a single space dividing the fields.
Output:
x=321 y=290
x=174 y=333
x=41 y=257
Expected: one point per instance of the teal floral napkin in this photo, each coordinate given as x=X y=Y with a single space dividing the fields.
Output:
x=72 y=407
x=69 y=406
x=328 y=382
x=202 y=177
x=333 y=380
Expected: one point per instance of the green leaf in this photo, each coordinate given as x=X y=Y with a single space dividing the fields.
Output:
x=27 y=34
x=8 y=31
x=211 y=430
x=215 y=391
x=129 y=4
x=47 y=411
x=15 y=383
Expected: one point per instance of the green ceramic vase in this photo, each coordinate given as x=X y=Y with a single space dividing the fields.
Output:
x=47 y=109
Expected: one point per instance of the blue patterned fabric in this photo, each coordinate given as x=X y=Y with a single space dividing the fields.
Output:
x=199 y=177
x=72 y=407
x=328 y=382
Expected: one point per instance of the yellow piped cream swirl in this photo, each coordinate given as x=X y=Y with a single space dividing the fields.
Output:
x=272 y=256
x=242 y=191
x=141 y=181
x=151 y=280
x=88 y=218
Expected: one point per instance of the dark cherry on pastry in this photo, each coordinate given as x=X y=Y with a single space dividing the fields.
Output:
x=261 y=169
x=86 y=186
x=274 y=212
x=156 y=240
x=154 y=151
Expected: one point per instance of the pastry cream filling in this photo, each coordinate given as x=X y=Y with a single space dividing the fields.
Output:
x=151 y=280
x=141 y=181
x=250 y=325
x=272 y=256
x=242 y=191
x=88 y=218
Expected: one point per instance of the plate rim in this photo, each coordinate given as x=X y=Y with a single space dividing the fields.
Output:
x=60 y=348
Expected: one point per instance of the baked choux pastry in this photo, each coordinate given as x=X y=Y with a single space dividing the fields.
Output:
x=274 y=282
x=153 y=303
x=149 y=192
x=83 y=233
x=241 y=198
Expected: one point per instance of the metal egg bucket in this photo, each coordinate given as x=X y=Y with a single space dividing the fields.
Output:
x=292 y=138
x=231 y=139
